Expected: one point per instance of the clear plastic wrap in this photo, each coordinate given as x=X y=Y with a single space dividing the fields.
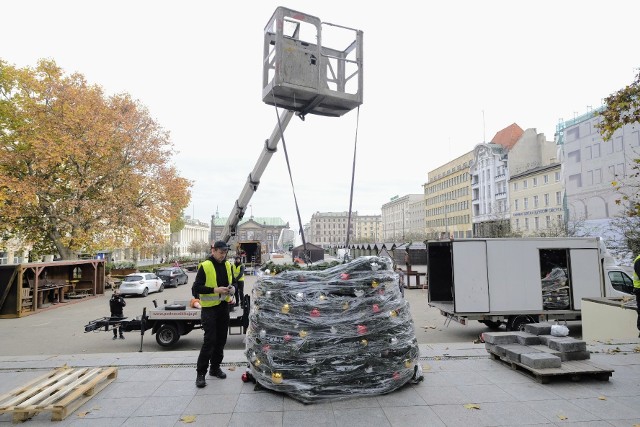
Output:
x=555 y=291
x=333 y=334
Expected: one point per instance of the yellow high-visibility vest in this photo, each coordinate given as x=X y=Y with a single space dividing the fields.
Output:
x=236 y=272
x=213 y=299
x=636 y=280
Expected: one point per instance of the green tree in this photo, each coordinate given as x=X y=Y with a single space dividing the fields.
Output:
x=81 y=170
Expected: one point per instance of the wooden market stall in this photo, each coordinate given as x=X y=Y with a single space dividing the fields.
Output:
x=27 y=288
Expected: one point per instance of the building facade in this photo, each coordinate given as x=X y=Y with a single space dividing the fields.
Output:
x=397 y=215
x=327 y=229
x=448 y=200
x=489 y=183
x=264 y=229
x=368 y=228
x=537 y=201
x=535 y=186
x=194 y=234
x=590 y=165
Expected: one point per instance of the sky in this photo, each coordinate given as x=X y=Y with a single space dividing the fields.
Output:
x=440 y=77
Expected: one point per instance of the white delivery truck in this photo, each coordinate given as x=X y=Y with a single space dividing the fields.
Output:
x=520 y=281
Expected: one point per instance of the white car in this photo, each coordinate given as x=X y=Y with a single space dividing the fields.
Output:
x=141 y=284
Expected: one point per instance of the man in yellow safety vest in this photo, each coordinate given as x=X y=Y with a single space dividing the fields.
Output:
x=238 y=276
x=213 y=285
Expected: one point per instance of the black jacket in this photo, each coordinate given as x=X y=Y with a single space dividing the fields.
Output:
x=117 y=303
x=199 y=287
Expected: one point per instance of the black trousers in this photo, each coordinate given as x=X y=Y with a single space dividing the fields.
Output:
x=239 y=292
x=117 y=327
x=215 y=324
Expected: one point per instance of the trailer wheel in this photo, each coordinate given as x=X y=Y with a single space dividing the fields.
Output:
x=516 y=323
x=492 y=324
x=167 y=335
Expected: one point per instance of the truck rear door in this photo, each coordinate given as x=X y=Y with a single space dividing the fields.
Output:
x=470 y=281
x=586 y=275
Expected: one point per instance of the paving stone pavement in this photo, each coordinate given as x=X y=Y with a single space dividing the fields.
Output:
x=157 y=389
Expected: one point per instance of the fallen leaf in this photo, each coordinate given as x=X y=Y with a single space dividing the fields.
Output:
x=563 y=417
x=636 y=349
x=437 y=358
x=83 y=414
x=426 y=367
x=188 y=418
x=232 y=368
x=602 y=398
x=472 y=406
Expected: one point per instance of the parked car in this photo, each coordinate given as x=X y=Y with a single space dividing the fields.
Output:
x=173 y=276
x=141 y=284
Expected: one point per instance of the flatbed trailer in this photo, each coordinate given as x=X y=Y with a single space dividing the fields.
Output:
x=170 y=321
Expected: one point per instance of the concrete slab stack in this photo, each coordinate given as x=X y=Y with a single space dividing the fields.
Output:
x=535 y=347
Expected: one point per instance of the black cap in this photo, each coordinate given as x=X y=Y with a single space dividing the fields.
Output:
x=221 y=245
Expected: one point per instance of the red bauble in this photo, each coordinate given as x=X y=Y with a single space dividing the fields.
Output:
x=376 y=308
x=362 y=329
x=287 y=338
x=344 y=276
x=315 y=313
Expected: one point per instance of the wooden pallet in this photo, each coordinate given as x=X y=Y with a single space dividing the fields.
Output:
x=574 y=370
x=60 y=391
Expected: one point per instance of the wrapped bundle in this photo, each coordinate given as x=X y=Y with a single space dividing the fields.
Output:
x=555 y=291
x=333 y=334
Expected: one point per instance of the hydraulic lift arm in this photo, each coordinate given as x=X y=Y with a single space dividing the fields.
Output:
x=253 y=180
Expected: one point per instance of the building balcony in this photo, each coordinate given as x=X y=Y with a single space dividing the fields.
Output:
x=500 y=196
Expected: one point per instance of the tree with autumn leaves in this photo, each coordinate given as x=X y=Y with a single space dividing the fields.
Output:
x=623 y=108
x=81 y=170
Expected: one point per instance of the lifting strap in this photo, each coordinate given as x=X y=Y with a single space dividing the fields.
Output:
x=295 y=199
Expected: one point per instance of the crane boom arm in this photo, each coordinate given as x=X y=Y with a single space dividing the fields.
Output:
x=253 y=180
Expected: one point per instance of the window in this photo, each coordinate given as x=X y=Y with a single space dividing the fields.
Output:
x=596 y=150
x=558 y=197
x=546 y=199
x=535 y=201
x=559 y=219
x=537 y=223
x=557 y=176
x=517 y=224
x=546 y=179
x=526 y=203
x=535 y=181
x=587 y=153
x=525 y=184
x=515 y=204
x=515 y=186
x=621 y=282
x=526 y=223
x=548 y=221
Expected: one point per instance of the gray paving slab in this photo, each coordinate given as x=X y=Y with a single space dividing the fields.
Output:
x=455 y=375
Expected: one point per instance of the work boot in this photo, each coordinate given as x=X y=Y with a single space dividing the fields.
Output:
x=201 y=381
x=217 y=372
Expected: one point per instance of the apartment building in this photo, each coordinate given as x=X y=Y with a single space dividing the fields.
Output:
x=489 y=183
x=327 y=229
x=368 y=228
x=448 y=200
x=397 y=214
x=590 y=165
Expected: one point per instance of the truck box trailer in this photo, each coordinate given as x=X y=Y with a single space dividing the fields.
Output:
x=252 y=252
x=520 y=281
